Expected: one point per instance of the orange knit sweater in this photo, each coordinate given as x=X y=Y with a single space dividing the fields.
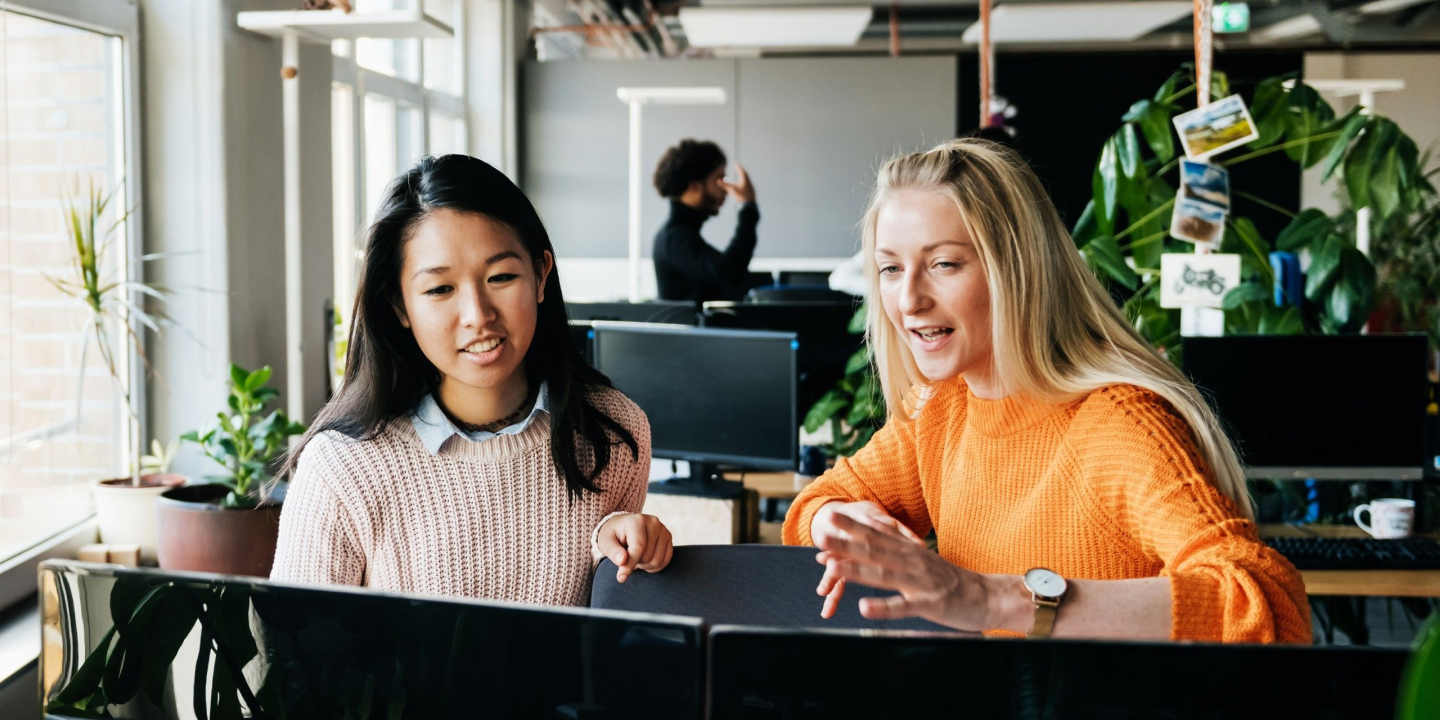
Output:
x=1110 y=487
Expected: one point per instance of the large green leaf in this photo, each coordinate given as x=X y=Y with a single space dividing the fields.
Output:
x=1278 y=321
x=1353 y=297
x=1105 y=185
x=1308 y=115
x=1086 y=227
x=1384 y=170
x=238 y=375
x=858 y=362
x=256 y=380
x=87 y=679
x=1354 y=123
x=1357 y=169
x=828 y=405
x=1128 y=150
x=1324 y=267
x=1309 y=225
x=1104 y=255
x=1153 y=117
x=1245 y=292
x=1268 y=111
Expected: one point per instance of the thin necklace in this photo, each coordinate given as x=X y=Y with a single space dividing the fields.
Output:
x=496 y=425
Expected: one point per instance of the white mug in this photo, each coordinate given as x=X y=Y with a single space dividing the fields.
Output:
x=1390 y=517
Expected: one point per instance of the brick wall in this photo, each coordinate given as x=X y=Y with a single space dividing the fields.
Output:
x=59 y=127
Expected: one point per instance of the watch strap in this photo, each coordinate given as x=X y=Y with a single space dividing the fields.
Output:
x=1045 y=611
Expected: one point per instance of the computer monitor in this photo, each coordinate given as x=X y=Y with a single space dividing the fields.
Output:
x=1343 y=407
x=674 y=312
x=823 y=329
x=309 y=652
x=713 y=396
x=580 y=335
x=862 y=674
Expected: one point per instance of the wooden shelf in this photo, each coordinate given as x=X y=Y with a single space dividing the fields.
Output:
x=322 y=26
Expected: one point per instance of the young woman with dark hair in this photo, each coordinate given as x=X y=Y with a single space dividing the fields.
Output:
x=470 y=450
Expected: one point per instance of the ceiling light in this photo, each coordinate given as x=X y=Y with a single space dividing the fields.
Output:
x=1298 y=26
x=774 y=27
x=1077 y=22
x=1387 y=6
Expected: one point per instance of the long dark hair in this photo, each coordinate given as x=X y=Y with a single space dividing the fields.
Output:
x=386 y=374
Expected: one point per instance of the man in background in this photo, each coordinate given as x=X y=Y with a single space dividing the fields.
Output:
x=691 y=175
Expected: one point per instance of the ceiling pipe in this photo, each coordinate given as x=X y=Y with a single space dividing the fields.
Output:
x=895 y=29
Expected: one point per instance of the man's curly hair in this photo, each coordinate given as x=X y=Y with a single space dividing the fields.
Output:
x=689 y=161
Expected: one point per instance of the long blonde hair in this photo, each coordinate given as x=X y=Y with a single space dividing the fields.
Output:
x=1057 y=335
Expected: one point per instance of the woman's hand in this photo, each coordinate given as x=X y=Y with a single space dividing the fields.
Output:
x=832 y=586
x=930 y=587
x=634 y=541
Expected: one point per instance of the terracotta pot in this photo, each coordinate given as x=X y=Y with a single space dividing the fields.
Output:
x=197 y=534
x=125 y=512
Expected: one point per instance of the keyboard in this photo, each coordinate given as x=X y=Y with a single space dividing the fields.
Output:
x=1331 y=553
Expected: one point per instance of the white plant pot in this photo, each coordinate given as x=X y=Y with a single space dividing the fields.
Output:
x=126 y=512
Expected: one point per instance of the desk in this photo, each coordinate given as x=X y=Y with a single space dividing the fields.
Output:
x=1363 y=583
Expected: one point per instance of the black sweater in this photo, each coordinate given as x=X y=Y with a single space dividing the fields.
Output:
x=688 y=268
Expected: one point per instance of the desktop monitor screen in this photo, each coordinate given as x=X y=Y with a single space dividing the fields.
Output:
x=776 y=673
x=823 y=329
x=712 y=395
x=318 y=653
x=674 y=312
x=1349 y=407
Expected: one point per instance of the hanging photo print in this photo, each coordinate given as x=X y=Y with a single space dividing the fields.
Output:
x=1197 y=280
x=1197 y=222
x=1205 y=183
x=1217 y=127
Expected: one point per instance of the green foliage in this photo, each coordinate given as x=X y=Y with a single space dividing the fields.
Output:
x=1123 y=231
x=1420 y=685
x=855 y=407
x=132 y=661
x=110 y=300
x=240 y=442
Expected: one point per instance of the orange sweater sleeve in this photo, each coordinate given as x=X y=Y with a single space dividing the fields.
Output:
x=886 y=472
x=1226 y=585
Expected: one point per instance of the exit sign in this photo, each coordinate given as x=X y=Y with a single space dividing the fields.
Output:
x=1230 y=18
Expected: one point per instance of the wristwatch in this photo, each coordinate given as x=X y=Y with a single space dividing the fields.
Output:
x=1046 y=589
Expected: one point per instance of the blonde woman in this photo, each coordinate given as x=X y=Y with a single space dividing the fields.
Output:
x=1077 y=483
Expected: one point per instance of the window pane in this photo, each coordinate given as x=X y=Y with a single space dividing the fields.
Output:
x=60 y=417
x=411 y=135
x=342 y=115
x=380 y=148
x=400 y=58
x=447 y=134
x=441 y=62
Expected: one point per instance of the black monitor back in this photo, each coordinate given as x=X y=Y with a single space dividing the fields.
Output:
x=1344 y=407
x=712 y=395
x=326 y=653
x=760 y=673
x=823 y=329
x=674 y=312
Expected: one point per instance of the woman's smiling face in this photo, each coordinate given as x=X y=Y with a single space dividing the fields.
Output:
x=932 y=285
x=470 y=293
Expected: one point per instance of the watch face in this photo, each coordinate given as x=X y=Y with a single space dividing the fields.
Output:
x=1044 y=583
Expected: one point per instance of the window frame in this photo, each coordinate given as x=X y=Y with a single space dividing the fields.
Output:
x=407 y=95
x=119 y=19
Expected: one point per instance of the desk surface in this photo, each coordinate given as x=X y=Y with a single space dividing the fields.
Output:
x=1370 y=583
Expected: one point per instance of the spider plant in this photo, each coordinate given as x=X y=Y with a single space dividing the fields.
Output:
x=95 y=281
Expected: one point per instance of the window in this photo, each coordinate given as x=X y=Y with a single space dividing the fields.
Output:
x=392 y=102
x=63 y=126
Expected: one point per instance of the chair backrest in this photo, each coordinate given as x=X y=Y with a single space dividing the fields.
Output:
x=765 y=585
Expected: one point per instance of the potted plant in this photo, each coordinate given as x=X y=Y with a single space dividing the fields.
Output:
x=230 y=524
x=124 y=506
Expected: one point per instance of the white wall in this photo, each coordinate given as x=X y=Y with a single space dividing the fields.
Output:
x=1416 y=109
x=214 y=195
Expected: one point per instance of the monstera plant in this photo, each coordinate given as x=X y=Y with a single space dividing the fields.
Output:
x=1124 y=229
x=855 y=407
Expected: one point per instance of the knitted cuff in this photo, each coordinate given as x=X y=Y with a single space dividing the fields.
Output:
x=595 y=555
x=1197 y=608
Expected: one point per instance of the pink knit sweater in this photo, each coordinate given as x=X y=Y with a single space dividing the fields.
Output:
x=484 y=519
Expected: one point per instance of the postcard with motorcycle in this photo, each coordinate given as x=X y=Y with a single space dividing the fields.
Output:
x=1197 y=280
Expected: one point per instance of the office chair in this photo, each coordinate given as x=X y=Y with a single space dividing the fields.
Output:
x=766 y=585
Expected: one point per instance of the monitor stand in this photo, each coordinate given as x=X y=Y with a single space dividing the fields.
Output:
x=704 y=480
